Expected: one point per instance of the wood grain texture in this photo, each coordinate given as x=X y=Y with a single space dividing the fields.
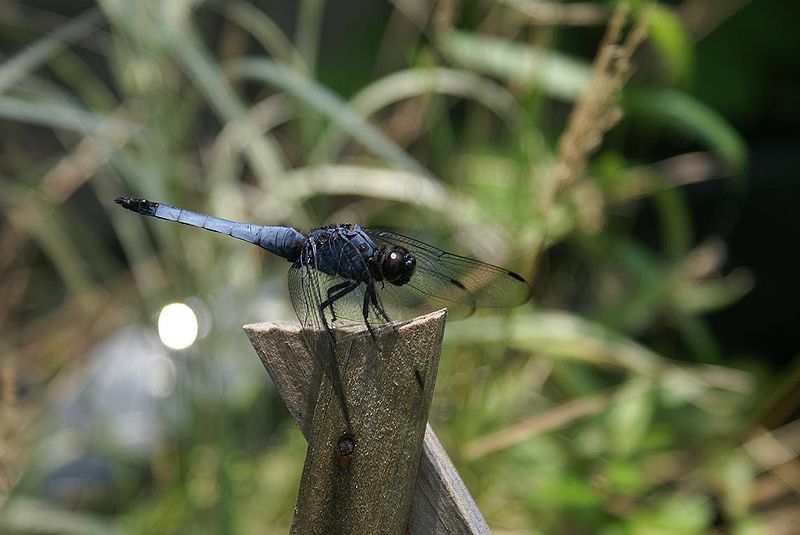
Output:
x=386 y=457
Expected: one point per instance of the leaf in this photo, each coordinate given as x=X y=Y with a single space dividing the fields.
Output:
x=262 y=151
x=557 y=75
x=266 y=31
x=324 y=100
x=686 y=114
x=27 y=515
x=677 y=513
x=565 y=336
x=373 y=182
x=23 y=63
x=629 y=417
x=416 y=82
x=667 y=34
x=60 y=116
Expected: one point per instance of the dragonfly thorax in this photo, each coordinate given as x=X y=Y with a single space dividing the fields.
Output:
x=343 y=250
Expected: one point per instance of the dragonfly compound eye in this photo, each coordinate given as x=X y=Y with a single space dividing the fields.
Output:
x=397 y=265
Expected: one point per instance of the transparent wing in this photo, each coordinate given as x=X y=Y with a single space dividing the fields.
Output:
x=348 y=306
x=345 y=312
x=307 y=290
x=458 y=283
x=330 y=309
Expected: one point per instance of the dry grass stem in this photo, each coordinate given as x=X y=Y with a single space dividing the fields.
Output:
x=444 y=16
x=701 y=17
x=60 y=182
x=556 y=13
x=596 y=113
x=552 y=419
x=10 y=448
x=776 y=452
x=407 y=122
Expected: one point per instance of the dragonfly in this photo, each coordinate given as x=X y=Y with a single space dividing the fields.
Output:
x=348 y=275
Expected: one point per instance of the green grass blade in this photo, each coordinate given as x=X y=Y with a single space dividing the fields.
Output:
x=267 y=32
x=417 y=82
x=688 y=115
x=262 y=151
x=374 y=182
x=20 y=65
x=666 y=32
x=59 y=116
x=309 y=26
x=557 y=75
x=313 y=94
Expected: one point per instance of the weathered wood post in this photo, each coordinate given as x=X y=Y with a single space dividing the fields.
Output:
x=382 y=478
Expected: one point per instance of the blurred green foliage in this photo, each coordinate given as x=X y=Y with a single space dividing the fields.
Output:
x=604 y=406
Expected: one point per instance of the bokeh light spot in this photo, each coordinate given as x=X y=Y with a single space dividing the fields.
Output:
x=177 y=326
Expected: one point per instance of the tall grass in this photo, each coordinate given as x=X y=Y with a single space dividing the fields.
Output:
x=602 y=406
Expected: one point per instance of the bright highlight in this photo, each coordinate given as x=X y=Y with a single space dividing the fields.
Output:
x=177 y=326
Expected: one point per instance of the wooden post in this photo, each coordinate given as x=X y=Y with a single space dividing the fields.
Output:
x=367 y=482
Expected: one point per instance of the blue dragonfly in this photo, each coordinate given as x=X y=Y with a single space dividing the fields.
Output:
x=345 y=274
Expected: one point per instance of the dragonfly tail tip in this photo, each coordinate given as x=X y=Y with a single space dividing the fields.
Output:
x=142 y=206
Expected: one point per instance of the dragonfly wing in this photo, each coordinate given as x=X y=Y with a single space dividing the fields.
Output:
x=328 y=349
x=344 y=302
x=330 y=309
x=459 y=283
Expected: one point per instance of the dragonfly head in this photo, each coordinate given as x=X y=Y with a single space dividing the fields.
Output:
x=396 y=264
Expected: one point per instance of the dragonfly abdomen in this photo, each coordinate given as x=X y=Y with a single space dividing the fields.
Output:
x=282 y=241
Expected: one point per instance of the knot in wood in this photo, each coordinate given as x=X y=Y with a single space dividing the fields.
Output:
x=346 y=446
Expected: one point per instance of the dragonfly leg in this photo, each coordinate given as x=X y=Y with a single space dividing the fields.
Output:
x=382 y=313
x=340 y=290
x=330 y=364
x=343 y=288
x=369 y=297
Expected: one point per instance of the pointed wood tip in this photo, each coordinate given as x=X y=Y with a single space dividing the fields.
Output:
x=294 y=328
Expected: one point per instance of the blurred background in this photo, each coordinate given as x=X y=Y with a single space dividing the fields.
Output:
x=636 y=161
